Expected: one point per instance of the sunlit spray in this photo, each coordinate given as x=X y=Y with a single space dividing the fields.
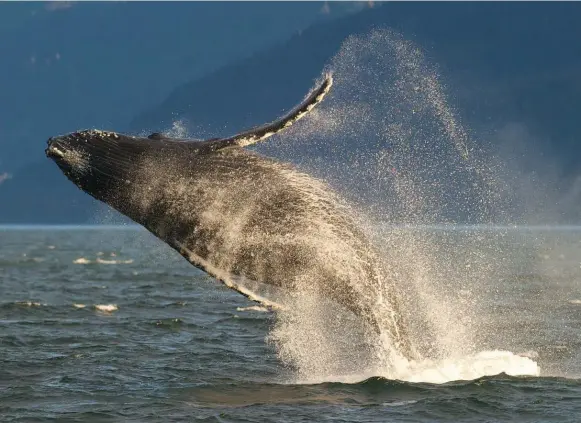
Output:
x=398 y=150
x=406 y=307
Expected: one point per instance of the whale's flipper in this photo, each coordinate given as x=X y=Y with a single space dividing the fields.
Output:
x=263 y=132
x=223 y=277
x=259 y=133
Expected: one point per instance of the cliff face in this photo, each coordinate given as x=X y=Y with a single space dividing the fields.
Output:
x=504 y=63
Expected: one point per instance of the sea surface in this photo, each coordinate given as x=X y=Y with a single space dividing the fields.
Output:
x=107 y=324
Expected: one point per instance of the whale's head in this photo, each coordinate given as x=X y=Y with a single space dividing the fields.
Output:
x=122 y=169
x=98 y=162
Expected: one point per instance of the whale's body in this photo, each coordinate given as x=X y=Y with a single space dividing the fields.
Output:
x=238 y=215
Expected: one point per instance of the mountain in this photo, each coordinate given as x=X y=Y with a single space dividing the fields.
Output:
x=504 y=63
x=89 y=64
x=70 y=65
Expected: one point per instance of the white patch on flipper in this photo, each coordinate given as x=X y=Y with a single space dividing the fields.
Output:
x=286 y=121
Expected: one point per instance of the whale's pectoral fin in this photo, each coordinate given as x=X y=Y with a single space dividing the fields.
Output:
x=223 y=277
x=263 y=132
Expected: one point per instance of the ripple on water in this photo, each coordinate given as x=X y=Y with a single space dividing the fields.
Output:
x=174 y=347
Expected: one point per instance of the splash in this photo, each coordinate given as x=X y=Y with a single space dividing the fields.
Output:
x=178 y=130
x=4 y=177
x=388 y=140
x=260 y=223
x=485 y=363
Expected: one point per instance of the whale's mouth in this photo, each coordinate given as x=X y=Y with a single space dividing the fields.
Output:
x=54 y=149
x=68 y=157
x=57 y=152
x=54 y=153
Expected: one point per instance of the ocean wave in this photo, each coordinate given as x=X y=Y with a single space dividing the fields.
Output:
x=84 y=260
x=107 y=308
x=21 y=305
x=253 y=308
x=81 y=260
x=29 y=303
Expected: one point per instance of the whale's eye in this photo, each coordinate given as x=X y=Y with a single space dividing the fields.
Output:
x=155 y=136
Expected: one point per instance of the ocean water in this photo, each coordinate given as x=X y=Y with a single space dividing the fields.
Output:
x=107 y=324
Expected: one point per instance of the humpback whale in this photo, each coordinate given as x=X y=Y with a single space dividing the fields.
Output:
x=240 y=216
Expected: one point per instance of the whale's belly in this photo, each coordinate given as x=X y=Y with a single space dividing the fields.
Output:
x=252 y=217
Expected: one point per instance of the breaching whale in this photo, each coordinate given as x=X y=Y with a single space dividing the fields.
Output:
x=239 y=216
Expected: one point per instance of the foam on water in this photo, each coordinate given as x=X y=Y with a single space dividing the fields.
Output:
x=84 y=260
x=29 y=303
x=485 y=363
x=107 y=308
x=81 y=260
x=103 y=261
x=259 y=309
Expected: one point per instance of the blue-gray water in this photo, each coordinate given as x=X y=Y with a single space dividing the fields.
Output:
x=177 y=348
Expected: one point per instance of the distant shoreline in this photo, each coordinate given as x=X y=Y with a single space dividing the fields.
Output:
x=48 y=227
x=443 y=227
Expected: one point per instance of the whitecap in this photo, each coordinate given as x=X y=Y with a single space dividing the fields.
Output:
x=399 y=403
x=108 y=308
x=81 y=260
x=102 y=261
x=485 y=363
x=29 y=303
x=253 y=308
